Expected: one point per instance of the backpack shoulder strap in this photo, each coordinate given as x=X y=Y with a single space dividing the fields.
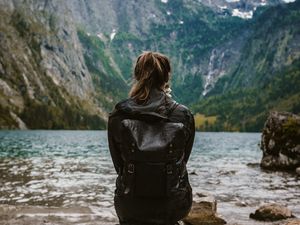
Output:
x=170 y=105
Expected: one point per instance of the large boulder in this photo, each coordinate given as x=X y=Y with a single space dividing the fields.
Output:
x=280 y=142
x=271 y=212
x=204 y=211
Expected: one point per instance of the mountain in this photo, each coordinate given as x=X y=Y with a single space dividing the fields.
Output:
x=266 y=78
x=189 y=32
x=64 y=64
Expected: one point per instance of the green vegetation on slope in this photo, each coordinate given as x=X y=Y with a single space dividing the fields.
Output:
x=59 y=111
x=267 y=77
x=273 y=43
x=246 y=109
x=42 y=116
x=109 y=83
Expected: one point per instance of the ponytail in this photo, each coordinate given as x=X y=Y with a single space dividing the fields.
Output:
x=152 y=70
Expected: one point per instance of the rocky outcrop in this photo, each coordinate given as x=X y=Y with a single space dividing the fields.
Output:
x=44 y=80
x=271 y=212
x=204 y=211
x=280 y=142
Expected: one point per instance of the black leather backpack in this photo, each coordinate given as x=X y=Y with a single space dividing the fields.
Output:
x=153 y=150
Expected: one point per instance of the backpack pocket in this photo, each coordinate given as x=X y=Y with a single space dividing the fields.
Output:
x=150 y=180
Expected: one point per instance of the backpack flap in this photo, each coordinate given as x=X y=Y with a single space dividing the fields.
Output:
x=151 y=150
x=152 y=141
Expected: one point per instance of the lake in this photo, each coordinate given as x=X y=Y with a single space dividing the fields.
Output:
x=74 y=169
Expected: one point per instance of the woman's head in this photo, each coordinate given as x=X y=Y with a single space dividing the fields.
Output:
x=152 y=70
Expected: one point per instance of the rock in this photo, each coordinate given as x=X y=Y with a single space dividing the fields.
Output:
x=280 y=142
x=193 y=172
x=241 y=204
x=271 y=212
x=298 y=170
x=253 y=165
x=293 y=222
x=203 y=211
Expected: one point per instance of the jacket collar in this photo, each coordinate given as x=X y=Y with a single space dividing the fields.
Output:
x=157 y=104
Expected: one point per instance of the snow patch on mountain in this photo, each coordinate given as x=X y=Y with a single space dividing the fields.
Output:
x=240 y=8
x=241 y=14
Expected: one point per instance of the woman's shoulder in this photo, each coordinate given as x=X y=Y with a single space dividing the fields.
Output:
x=181 y=113
x=177 y=107
x=120 y=107
x=182 y=108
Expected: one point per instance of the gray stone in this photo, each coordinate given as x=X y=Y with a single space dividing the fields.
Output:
x=298 y=170
x=280 y=142
x=271 y=212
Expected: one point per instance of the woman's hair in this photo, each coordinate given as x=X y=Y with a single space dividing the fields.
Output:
x=152 y=70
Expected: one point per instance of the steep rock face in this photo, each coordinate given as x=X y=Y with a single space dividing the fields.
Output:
x=42 y=68
x=48 y=23
x=222 y=61
x=281 y=142
x=106 y=17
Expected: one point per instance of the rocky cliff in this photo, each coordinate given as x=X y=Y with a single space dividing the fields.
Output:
x=44 y=79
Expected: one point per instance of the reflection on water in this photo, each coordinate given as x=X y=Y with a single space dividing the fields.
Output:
x=73 y=168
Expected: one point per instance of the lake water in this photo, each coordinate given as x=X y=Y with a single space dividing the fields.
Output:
x=73 y=168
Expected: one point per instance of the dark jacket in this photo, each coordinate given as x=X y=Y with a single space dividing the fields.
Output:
x=155 y=211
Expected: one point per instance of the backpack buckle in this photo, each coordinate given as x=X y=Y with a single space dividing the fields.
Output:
x=169 y=169
x=130 y=168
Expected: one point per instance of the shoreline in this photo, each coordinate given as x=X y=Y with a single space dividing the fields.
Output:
x=41 y=215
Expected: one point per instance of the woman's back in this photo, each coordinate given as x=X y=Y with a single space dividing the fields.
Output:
x=150 y=143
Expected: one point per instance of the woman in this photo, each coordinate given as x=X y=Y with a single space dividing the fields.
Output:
x=153 y=188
